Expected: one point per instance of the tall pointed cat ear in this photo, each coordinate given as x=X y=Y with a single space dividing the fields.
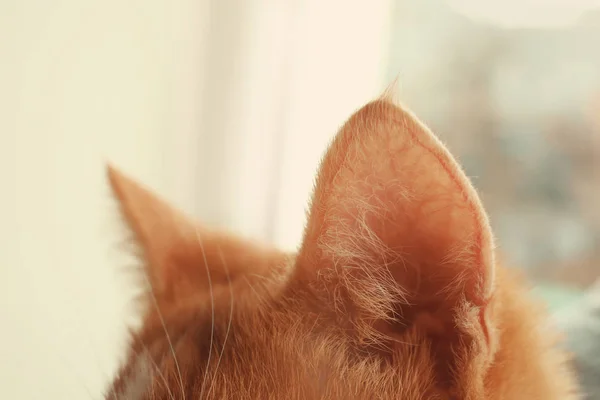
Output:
x=181 y=258
x=396 y=224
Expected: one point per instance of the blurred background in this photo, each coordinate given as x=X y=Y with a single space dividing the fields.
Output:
x=226 y=106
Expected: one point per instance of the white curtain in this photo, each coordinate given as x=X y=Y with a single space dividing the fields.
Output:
x=304 y=67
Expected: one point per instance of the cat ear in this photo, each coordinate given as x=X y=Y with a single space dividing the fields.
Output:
x=182 y=259
x=395 y=224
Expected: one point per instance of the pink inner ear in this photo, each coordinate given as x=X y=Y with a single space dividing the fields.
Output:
x=390 y=197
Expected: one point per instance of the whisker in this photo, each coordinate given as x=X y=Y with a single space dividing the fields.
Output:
x=160 y=374
x=228 y=324
x=261 y=298
x=212 y=306
x=162 y=321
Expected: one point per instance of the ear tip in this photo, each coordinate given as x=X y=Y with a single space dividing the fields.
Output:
x=115 y=177
x=390 y=94
x=112 y=173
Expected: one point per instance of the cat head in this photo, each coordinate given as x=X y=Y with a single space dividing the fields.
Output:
x=394 y=292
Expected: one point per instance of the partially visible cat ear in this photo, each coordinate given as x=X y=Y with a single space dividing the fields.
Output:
x=181 y=257
x=396 y=223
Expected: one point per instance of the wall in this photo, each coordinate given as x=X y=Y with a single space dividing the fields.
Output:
x=82 y=83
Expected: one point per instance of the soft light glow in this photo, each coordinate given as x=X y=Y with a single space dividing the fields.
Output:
x=525 y=13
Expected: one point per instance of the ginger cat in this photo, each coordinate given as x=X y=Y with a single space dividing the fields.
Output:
x=393 y=294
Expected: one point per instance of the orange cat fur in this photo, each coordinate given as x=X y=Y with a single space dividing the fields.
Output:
x=393 y=294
